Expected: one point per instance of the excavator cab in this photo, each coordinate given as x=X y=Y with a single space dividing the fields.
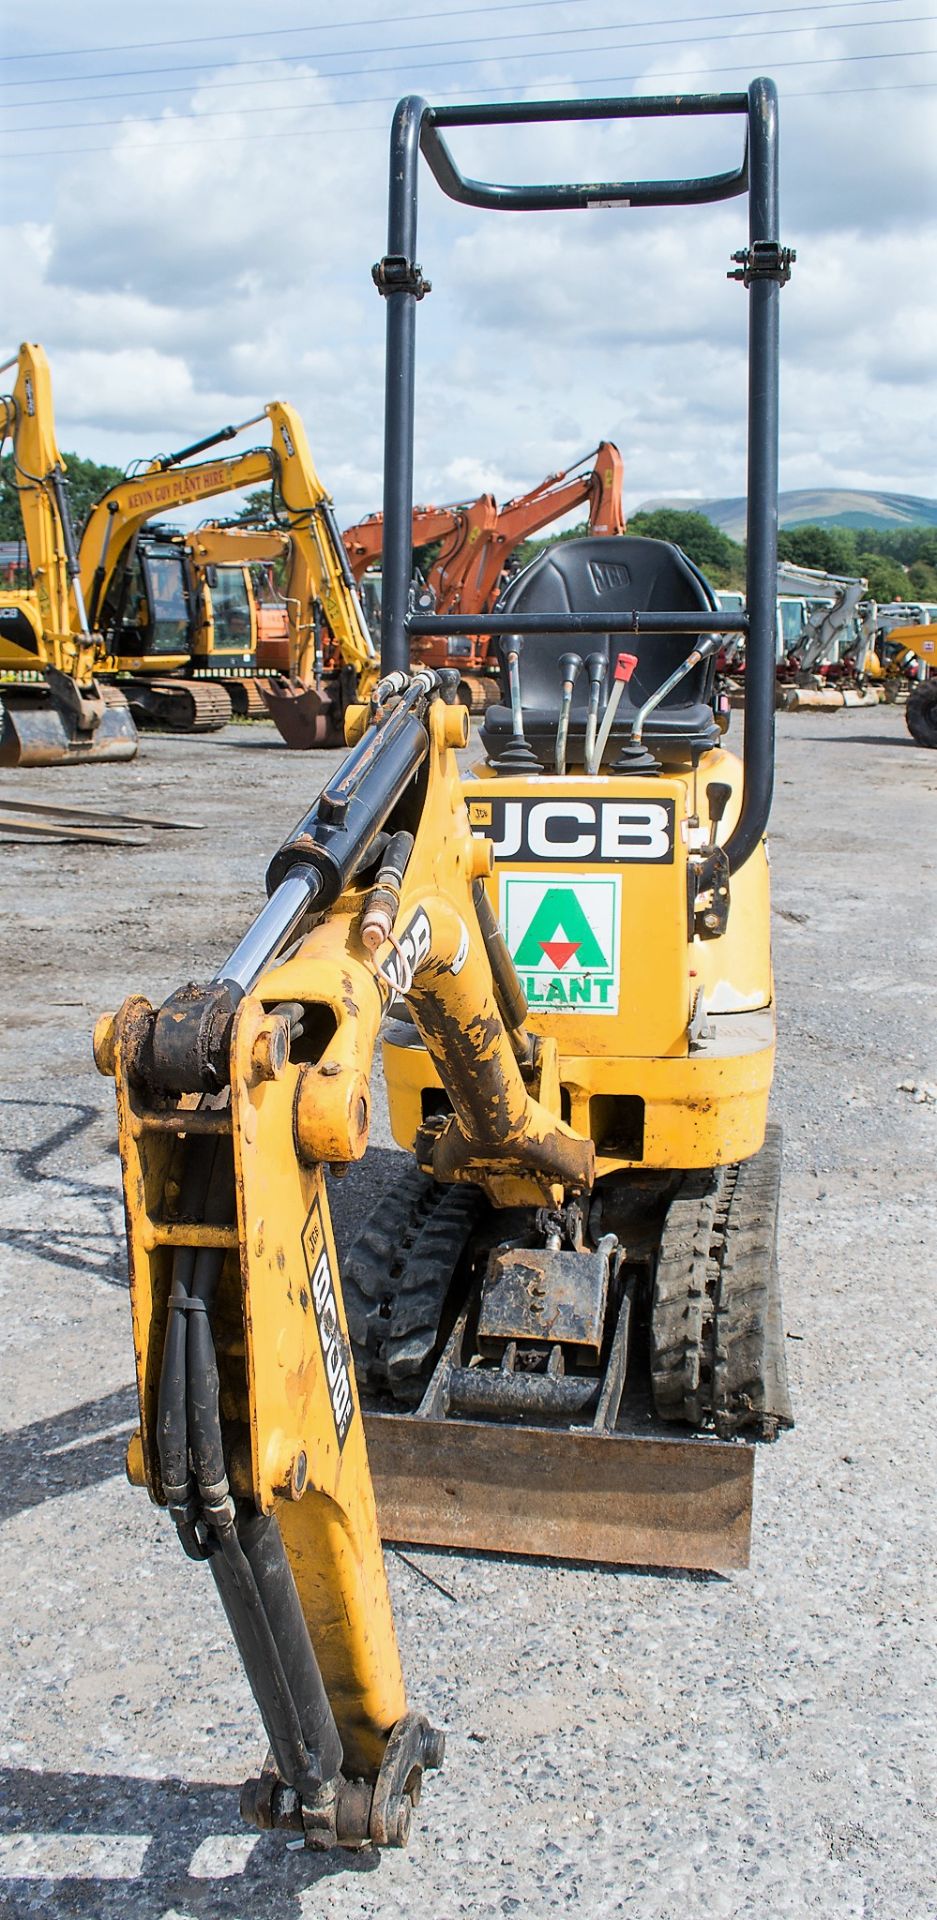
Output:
x=148 y=611
x=559 y=1332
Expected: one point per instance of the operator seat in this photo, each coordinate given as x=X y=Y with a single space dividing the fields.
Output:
x=614 y=573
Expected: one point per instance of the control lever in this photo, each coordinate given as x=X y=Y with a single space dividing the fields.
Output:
x=624 y=668
x=570 y=669
x=718 y=794
x=596 y=668
x=518 y=755
x=633 y=757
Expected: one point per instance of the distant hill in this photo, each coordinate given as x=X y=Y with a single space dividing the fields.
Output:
x=819 y=507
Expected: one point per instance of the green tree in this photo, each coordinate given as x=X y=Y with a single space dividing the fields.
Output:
x=87 y=480
x=256 y=506
x=922 y=580
x=887 y=580
x=831 y=549
x=721 y=559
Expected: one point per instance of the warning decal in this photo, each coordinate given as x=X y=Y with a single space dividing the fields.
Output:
x=336 y=1355
x=564 y=936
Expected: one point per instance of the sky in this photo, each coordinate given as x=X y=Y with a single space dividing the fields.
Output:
x=190 y=224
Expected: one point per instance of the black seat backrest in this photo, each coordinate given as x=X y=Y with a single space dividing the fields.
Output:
x=614 y=574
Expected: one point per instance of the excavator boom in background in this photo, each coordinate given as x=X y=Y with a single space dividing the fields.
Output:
x=54 y=709
x=478 y=540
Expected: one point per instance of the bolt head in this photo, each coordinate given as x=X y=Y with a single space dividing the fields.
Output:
x=400 y=1820
x=271 y=1049
x=104 y=1044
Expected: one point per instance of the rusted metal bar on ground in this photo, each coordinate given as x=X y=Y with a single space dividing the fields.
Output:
x=93 y=817
x=27 y=820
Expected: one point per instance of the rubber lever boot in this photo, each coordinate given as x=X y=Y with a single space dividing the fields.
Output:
x=570 y=669
x=597 y=668
x=518 y=755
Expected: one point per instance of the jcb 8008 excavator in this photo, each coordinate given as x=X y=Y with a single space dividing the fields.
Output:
x=569 y=948
x=139 y=595
x=53 y=707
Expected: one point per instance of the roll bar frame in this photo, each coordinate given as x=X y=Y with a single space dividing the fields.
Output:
x=762 y=267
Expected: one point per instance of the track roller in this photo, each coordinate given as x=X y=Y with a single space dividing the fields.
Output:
x=181 y=706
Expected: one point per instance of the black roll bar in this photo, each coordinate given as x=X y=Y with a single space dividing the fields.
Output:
x=762 y=267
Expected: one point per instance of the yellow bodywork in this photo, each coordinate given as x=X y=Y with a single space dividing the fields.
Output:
x=703 y=1096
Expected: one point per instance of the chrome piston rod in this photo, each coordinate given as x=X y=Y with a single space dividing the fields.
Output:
x=272 y=927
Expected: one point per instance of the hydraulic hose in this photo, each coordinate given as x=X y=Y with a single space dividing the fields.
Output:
x=247 y=1558
x=171 y=1421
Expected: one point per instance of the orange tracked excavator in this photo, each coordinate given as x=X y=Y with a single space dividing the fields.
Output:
x=478 y=539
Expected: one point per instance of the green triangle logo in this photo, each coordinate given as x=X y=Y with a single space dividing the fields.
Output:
x=560 y=931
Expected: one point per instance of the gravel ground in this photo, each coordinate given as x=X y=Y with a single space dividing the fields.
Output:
x=618 y=1742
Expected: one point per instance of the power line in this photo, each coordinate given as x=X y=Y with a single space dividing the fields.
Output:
x=336 y=53
x=331 y=133
x=222 y=113
x=343 y=73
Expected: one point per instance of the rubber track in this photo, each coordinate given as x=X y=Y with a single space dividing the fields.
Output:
x=396 y=1276
x=717 y=1339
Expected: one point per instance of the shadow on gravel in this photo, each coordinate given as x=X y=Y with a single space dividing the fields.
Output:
x=864 y=740
x=67 y=1453
x=172 y=1819
x=91 y=1247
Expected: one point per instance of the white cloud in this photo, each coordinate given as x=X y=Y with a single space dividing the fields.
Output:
x=202 y=265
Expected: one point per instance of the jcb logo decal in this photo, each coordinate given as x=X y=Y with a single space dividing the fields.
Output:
x=332 y=1342
x=586 y=830
x=409 y=953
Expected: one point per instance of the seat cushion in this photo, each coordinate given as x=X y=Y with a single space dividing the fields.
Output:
x=618 y=575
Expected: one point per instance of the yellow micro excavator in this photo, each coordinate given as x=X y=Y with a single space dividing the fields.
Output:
x=138 y=589
x=53 y=707
x=560 y=1331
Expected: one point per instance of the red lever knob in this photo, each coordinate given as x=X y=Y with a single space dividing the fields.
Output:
x=625 y=666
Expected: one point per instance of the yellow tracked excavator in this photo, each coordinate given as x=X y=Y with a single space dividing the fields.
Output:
x=54 y=709
x=560 y=1331
x=139 y=592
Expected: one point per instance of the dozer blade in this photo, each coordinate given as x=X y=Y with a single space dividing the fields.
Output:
x=620 y=1499
x=303 y=717
x=40 y=731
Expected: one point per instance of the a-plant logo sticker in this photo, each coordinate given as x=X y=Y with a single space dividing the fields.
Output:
x=564 y=938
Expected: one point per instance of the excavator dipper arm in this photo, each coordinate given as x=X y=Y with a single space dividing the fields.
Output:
x=232 y=1099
